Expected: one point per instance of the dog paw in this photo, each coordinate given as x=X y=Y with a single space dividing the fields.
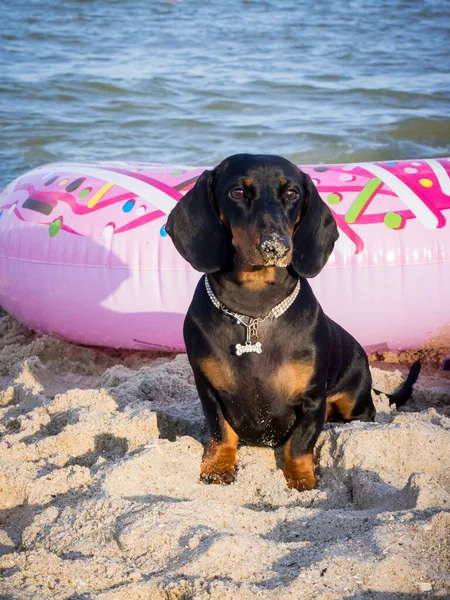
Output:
x=299 y=471
x=217 y=478
x=302 y=483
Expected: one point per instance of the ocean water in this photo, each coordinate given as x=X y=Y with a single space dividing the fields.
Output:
x=192 y=81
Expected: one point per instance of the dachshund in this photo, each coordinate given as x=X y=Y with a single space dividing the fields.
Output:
x=269 y=366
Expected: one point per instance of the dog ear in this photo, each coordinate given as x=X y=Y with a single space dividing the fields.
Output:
x=315 y=234
x=196 y=230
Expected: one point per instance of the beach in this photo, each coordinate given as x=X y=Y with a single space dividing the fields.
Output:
x=100 y=495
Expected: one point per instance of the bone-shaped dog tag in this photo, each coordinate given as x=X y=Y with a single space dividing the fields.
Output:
x=247 y=348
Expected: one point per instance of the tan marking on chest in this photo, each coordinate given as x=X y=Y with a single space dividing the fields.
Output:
x=218 y=373
x=257 y=280
x=340 y=405
x=293 y=378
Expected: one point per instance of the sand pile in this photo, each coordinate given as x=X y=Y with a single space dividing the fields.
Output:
x=100 y=495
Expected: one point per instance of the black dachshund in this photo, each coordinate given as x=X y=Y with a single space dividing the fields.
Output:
x=269 y=365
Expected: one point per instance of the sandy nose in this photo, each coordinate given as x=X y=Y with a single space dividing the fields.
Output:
x=275 y=246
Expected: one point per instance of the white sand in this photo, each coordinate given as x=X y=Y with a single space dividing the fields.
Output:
x=100 y=495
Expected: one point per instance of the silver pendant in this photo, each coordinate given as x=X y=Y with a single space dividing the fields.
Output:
x=248 y=347
x=251 y=331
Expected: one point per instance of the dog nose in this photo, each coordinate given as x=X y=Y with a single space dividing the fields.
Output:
x=275 y=246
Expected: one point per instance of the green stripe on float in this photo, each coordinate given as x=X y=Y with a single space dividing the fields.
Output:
x=362 y=199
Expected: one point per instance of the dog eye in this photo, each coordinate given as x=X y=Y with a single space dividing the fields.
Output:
x=237 y=194
x=290 y=195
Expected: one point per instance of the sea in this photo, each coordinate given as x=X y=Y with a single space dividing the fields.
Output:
x=189 y=82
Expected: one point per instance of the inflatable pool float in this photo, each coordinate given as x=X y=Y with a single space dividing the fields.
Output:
x=84 y=255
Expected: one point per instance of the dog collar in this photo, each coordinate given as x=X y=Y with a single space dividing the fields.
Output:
x=251 y=323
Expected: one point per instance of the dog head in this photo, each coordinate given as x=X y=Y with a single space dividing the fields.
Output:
x=262 y=208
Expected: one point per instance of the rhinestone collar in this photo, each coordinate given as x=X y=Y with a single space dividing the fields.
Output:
x=250 y=323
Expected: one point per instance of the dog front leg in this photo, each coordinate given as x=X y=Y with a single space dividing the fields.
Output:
x=219 y=459
x=298 y=450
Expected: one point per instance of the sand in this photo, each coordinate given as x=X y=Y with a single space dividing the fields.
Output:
x=100 y=495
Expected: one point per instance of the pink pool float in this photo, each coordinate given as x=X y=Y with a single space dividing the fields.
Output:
x=84 y=255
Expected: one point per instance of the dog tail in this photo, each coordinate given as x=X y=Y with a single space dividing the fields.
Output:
x=403 y=394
